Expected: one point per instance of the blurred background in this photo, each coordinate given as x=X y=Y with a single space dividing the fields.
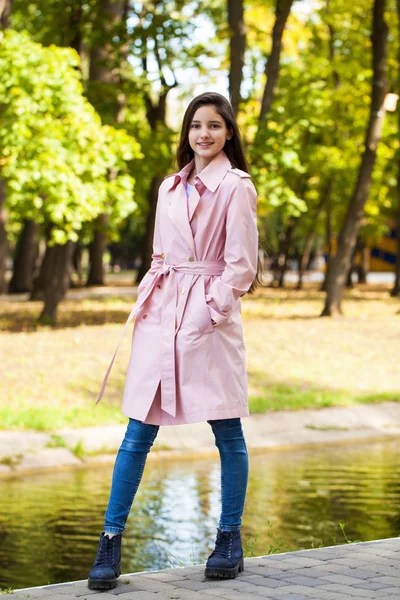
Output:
x=91 y=99
x=92 y=94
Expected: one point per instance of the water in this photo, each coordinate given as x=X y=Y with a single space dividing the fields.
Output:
x=49 y=523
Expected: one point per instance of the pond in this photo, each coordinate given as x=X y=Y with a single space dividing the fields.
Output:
x=49 y=523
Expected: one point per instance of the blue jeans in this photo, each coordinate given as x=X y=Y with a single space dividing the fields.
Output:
x=131 y=458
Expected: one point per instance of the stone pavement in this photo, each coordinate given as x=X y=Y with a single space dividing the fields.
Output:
x=351 y=571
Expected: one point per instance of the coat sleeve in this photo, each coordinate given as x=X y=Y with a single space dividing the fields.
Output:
x=240 y=254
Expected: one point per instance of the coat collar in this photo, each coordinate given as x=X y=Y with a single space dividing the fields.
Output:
x=211 y=176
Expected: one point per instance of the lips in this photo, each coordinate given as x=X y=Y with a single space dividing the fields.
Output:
x=205 y=144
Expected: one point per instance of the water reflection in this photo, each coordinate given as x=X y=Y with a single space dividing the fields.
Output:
x=49 y=524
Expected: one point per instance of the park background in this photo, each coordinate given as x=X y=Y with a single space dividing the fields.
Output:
x=91 y=99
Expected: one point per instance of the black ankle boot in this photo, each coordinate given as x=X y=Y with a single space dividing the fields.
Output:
x=107 y=566
x=226 y=560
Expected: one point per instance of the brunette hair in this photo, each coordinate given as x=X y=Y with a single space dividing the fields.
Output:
x=233 y=148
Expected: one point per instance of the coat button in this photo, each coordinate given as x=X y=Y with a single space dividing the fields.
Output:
x=159 y=286
x=182 y=291
x=144 y=316
x=191 y=259
x=163 y=255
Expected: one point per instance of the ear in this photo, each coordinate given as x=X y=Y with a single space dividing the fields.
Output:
x=229 y=134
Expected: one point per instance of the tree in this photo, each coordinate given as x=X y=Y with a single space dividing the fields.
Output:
x=5 y=11
x=106 y=59
x=311 y=233
x=282 y=11
x=56 y=155
x=339 y=265
x=26 y=254
x=237 y=47
x=3 y=239
x=396 y=287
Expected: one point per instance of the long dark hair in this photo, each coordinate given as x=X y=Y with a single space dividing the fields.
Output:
x=233 y=147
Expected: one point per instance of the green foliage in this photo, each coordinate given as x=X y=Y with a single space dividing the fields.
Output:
x=56 y=157
x=79 y=450
x=316 y=127
x=56 y=441
x=317 y=124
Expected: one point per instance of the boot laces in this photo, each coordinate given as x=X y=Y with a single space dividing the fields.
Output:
x=105 y=554
x=223 y=544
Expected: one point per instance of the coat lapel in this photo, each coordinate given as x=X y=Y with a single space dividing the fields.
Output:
x=178 y=211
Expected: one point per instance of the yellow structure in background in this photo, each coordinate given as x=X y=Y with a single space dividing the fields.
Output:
x=383 y=251
x=379 y=255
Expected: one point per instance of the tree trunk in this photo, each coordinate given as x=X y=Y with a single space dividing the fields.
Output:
x=44 y=274
x=147 y=250
x=75 y=26
x=396 y=288
x=57 y=281
x=340 y=264
x=105 y=61
x=25 y=258
x=96 y=252
x=349 y=281
x=363 y=267
x=305 y=257
x=3 y=240
x=77 y=264
x=284 y=247
x=5 y=11
x=237 y=46
x=282 y=12
x=328 y=241
x=336 y=85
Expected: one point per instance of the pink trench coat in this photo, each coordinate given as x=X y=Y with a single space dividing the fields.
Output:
x=183 y=368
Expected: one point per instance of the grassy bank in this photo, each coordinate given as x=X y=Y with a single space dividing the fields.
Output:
x=50 y=377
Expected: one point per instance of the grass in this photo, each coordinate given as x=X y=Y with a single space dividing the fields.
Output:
x=295 y=360
x=11 y=461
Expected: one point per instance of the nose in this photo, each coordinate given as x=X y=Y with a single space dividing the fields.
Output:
x=204 y=133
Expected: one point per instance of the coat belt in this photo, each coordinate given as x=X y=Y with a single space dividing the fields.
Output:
x=170 y=321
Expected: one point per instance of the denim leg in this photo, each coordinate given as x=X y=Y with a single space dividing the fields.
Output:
x=234 y=471
x=128 y=471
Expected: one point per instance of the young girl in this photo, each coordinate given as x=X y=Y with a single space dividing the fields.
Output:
x=188 y=358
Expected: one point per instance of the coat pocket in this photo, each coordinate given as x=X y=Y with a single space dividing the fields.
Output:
x=199 y=312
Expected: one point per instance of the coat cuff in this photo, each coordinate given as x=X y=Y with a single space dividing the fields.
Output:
x=216 y=317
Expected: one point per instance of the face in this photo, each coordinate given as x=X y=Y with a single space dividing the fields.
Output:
x=207 y=134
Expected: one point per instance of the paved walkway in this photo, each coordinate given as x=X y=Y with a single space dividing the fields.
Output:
x=356 y=571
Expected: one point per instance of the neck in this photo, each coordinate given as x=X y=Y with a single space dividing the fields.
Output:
x=201 y=163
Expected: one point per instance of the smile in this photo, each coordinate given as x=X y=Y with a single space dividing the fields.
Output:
x=205 y=144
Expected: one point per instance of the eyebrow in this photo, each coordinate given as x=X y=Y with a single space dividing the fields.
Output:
x=213 y=121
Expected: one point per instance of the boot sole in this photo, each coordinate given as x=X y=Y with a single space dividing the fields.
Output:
x=218 y=573
x=103 y=584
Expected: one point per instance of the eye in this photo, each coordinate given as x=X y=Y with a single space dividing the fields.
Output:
x=194 y=126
